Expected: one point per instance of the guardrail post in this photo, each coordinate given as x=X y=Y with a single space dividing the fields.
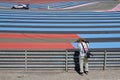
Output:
x=25 y=60
x=66 y=61
x=105 y=58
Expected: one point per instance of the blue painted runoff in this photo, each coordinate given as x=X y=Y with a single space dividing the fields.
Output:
x=101 y=45
x=35 y=20
x=60 y=24
x=57 y=29
x=99 y=35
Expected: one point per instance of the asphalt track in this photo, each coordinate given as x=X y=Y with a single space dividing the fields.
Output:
x=95 y=6
x=87 y=5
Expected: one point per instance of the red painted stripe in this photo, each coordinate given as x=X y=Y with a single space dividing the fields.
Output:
x=32 y=45
x=34 y=1
x=20 y=35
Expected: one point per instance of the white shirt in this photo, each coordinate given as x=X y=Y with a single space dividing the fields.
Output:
x=80 y=47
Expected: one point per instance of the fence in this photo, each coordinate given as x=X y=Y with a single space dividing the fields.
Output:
x=57 y=60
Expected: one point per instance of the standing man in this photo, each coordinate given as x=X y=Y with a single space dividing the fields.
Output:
x=83 y=60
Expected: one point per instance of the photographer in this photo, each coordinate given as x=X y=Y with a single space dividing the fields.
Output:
x=83 y=46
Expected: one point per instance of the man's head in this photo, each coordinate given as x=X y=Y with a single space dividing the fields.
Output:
x=80 y=40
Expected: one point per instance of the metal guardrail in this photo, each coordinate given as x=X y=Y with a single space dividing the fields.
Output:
x=57 y=60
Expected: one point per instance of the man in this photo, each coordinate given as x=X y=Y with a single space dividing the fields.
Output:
x=83 y=60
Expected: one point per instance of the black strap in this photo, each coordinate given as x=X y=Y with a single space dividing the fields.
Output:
x=83 y=48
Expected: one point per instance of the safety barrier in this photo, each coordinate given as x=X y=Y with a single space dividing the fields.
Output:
x=57 y=60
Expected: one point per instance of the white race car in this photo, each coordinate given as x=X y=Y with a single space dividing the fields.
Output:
x=21 y=6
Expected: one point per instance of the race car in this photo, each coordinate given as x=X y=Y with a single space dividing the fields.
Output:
x=20 y=6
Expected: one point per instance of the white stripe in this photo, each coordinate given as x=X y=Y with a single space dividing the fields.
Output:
x=81 y=5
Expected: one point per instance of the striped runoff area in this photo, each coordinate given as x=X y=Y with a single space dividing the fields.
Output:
x=35 y=30
x=17 y=41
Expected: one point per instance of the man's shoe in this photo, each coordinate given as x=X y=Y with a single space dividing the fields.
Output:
x=86 y=72
x=81 y=73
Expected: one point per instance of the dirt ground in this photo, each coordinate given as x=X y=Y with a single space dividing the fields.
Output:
x=59 y=75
